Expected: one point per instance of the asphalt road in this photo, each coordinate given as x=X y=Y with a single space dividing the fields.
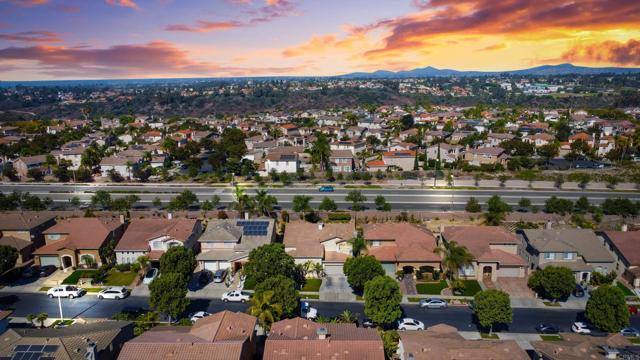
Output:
x=524 y=320
x=400 y=199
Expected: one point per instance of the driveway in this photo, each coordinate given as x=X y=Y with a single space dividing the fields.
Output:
x=336 y=288
x=515 y=287
x=34 y=284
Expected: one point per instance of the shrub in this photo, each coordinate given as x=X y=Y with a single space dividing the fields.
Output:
x=123 y=267
x=598 y=279
x=339 y=217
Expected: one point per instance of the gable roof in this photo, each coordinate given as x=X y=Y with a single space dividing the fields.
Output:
x=141 y=231
x=306 y=238
x=582 y=241
x=478 y=241
x=627 y=243
x=411 y=242
x=23 y=220
x=82 y=233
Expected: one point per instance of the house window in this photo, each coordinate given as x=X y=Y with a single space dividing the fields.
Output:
x=568 y=256
x=375 y=243
x=549 y=256
x=54 y=236
x=156 y=245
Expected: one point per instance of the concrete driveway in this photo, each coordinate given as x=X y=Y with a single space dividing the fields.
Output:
x=515 y=287
x=336 y=288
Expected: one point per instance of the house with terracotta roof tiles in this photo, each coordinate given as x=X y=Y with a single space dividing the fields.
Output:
x=625 y=248
x=304 y=339
x=23 y=231
x=221 y=336
x=495 y=251
x=153 y=237
x=401 y=246
x=78 y=242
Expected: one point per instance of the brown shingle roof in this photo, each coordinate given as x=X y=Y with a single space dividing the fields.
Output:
x=412 y=243
x=307 y=237
x=23 y=221
x=477 y=240
x=627 y=243
x=83 y=233
x=14 y=242
x=140 y=231
x=578 y=347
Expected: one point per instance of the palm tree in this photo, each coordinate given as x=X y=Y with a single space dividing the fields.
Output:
x=358 y=245
x=454 y=257
x=41 y=318
x=318 y=269
x=264 y=202
x=240 y=199
x=30 y=319
x=308 y=267
x=320 y=151
x=265 y=309
x=347 y=316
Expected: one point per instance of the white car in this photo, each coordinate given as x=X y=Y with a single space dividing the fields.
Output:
x=198 y=315
x=307 y=311
x=410 y=324
x=433 y=304
x=114 y=293
x=580 y=328
x=235 y=296
x=150 y=276
x=68 y=291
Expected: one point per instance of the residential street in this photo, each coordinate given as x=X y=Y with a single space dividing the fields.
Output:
x=524 y=320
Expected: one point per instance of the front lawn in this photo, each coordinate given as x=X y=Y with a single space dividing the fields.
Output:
x=434 y=288
x=117 y=278
x=551 y=304
x=635 y=341
x=493 y=336
x=312 y=285
x=471 y=287
x=310 y=296
x=77 y=275
x=551 y=338
x=625 y=290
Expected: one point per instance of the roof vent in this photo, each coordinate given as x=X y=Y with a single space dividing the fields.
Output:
x=322 y=333
x=320 y=225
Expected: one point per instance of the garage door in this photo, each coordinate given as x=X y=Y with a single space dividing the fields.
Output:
x=333 y=269
x=49 y=260
x=389 y=268
x=507 y=271
x=216 y=265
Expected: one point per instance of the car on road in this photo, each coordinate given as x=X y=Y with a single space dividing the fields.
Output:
x=410 y=324
x=198 y=315
x=114 y=293
x=433 y=303
x=630 y=332
x=236 y=296
x=47 y=270
x=150 y=276
x=68 y=291
x=580 y=328
x=326 y=188
x=547 y=329
x=366 y=323
x=578 y=291
x=307 y=311
x=219 y=276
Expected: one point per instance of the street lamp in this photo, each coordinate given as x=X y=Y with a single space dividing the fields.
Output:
x=60 y=303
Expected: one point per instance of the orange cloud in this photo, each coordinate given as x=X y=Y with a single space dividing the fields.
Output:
x=126 y=3
x=494 y=47
x=27 y=3
x=204 y=26
x=32 y=36
x=612 y=52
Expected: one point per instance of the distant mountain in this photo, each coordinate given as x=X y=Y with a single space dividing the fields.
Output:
x=429 y=71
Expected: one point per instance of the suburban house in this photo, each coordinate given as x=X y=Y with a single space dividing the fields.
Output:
x=97 y=340
x=4 y=320
x=625 y=248
x=448 y=153
x=327 y=244
x=120 y=164
x=25 y=163
x=494 y=250
x=401 y=246
x=579 y=347
x=443 y=342
x=23 y=231
x=224 y=335
x=485 y=156
x=282 y=162
x=342 y=161
x=153 y=237
x=78 y=241
x=226 y=243
x=404 y=160
x=299 y=338
x=577 y=249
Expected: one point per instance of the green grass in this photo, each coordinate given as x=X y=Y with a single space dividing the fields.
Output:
x=625 y=290
x=471 y=287
x=634 y=340
x=493 y=336
x=116 y=278
x=77 y=275
x=414 y=299
x=551 y=338
x=551 y=304
x=312 y=285
x=431 y=288
x=62 y=322
x=359 y=298
x=363 y=187
x=310 y=296
x=45 y=288
x=93 y=290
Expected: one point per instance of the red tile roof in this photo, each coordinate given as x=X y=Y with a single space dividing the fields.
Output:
x=82 y=233
x=477 y=240
x=307 y=237
x=141 y=231
x=411 y=242
x=628 y=244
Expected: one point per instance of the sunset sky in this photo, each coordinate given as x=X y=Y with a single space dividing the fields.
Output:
x=89 y=39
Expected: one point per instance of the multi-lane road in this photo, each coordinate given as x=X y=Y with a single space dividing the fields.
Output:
x=524 y=320
x=425 y=199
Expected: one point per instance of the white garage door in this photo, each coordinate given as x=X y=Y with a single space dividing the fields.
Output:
x=216 y=265
x=333 y=269
x=389 y=268
x=49 y=260
x=509 y=271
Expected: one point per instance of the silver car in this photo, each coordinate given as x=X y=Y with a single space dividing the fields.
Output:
x=630 y=332
x=150 y=276
x=114 y=293
x=433 y=304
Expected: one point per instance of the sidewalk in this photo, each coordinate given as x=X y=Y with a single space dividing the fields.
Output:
x=523 y=339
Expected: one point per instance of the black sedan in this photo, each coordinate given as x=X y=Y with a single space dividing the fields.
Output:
x=547 y=329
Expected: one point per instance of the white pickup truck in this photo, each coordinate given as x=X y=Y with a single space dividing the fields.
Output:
x=236 y=296
x=68 y=291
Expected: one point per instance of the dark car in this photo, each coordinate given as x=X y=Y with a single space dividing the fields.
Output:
x=367 y=323
x=47 y=270
x=578 y=291
x=547 y=329
x=31 y=271
x=205 y=277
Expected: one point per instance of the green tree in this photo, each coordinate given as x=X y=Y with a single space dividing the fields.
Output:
x=320 y=151
x=168 y=294
x=301 y=203
x=157 y=201
x=382 y=204
x=347 y=317
x=327 y=205
x=390 y=340
x=270 y=260
x=524 y=203
x=183 y=200
x=382 y=299
x=492 y=307
x=454 y=257
x=180 y=260
x=582 y=205
x=41 y=318
x=266 y=309
x=556 y=205
x=496 y=210
x=361 y=269
x=284 y=293
x=473 y=206
x=607 y=309
x=264 y=202
x=553 y=282
x=101 y=198
x=358 y=244
x=356 y=199
x=8 y=258
x=36 y=174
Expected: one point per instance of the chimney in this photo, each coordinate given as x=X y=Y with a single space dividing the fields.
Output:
x=169 y=216
x=320 y=225
x=121 y=219
x=91 y=351
x=547 y=225
x=322 y=332
x=246 y=215
x=624 y=227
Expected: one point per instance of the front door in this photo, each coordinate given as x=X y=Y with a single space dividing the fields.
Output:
x=67 y=262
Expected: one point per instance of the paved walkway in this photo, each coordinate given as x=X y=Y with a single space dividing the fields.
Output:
x=408 y=285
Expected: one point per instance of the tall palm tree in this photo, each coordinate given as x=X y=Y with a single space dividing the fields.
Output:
x=318 y=269
x=358 y=245
x=347 y=316
x=41 y=318
x=30 y=319
x=454 y=257
x=264 y=202
x=308 y=267
x=263 y=307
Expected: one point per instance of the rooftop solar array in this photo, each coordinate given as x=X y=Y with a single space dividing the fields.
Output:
x=254 y=228
x=32 y=352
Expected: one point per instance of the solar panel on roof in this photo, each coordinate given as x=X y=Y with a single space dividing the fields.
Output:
x=22 y=348
x=50 y=348
x=36 y=348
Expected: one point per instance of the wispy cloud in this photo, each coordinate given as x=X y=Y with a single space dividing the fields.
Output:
x=126 y=3
x=32 y=36
x=612 y=52
x=204 y=26
x=494 y=47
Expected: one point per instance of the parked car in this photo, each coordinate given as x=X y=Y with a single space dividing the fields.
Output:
x=580 y=328
x=219 y=276
x=30 y=271
x=236 y=296
x=631 y=332
x=198 y=315
x=547 y=329
x=114 y=293
x=205 y=277
x=68 y=291
x=433 y=304
x=410 y=324
x=633 y=310
x=47 y=270
x=326 y=188
x=308 y=312
x=578 y=291
x=150 y=276
x=367 y=323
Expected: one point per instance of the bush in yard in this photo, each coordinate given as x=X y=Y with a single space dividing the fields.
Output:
x=361 y=269
x=271 y=260
x=123 y=267
x=607 y=309
x=178 y=259
x=553 y=282
x=382 y=300
x=492 y=307
x=390 y=340
x=598 y=279
x=168 y=294
x=8 y=258
x=284 y=293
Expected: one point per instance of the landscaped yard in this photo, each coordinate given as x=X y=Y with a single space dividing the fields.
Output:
x=625 y=290
x=77 y=275
x=310 y=296
x=117 y=278
x=493 y=336
x=434 y=288
x=635 y=340
x=551 y=337
x=471 y=287
x=312 y=285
